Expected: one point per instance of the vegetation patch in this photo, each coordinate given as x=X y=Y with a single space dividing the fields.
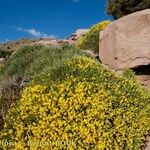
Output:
x=30 y=60
x=91 y=40
x=1 y=68
x=82 y=105
x=122 y=7
x=23 y=66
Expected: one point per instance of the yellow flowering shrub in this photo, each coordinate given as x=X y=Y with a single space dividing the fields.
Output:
x=23 y=65
x=91 y=40
x=76 y=106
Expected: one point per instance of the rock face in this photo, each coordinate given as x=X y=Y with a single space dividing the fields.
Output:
x=2 y=60
x=91 y=53
x=79 y=33
x=147 y=146
x=48 y=42
x=125 y=43
x=15 y=45
x=144 y=80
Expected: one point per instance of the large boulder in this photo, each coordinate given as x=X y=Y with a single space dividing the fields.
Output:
x=125 y=43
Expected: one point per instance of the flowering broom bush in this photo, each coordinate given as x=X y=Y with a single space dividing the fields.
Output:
x=23 y=65
x=91 y=40
x=79 y=105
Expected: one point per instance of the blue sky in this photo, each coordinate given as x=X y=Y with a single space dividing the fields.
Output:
x=48 y=18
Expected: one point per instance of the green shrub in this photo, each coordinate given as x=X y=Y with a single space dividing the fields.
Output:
x=52 y=57
x=82 y=105
x=1 y=68
x=30 y=60
x=119 y=8
x=91 y=40
x=128 y=73
x=21 y=59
